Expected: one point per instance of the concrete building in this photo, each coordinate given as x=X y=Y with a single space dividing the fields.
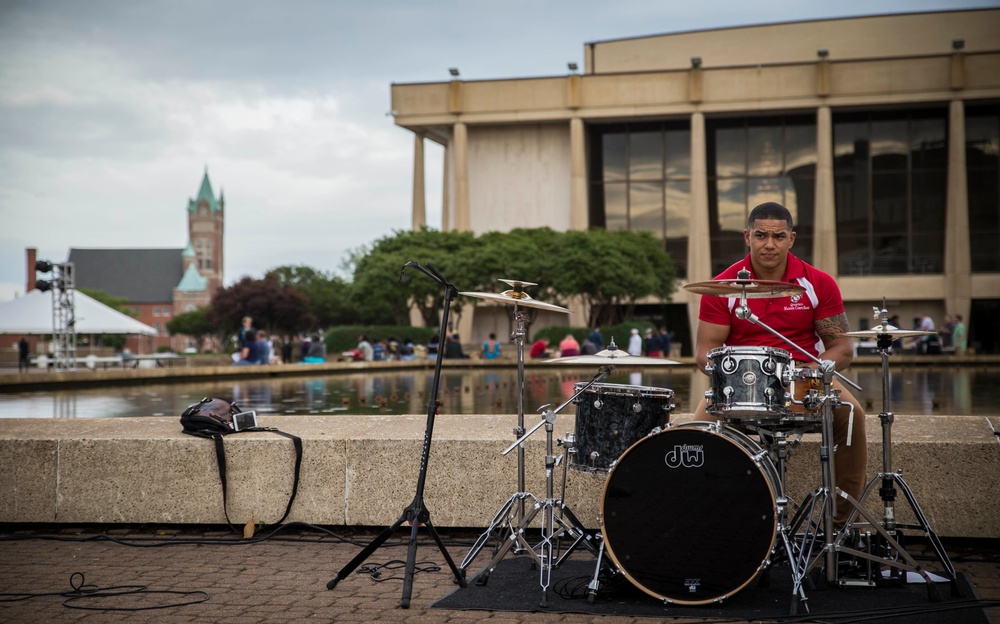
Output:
x=880 y=133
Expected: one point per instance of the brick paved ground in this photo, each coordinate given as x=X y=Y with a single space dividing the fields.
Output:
x=277 y=581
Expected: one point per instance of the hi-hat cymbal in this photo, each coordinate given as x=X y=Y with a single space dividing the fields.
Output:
x=612 y=356
x=516 y=297
x=754 y=289
x=887 y=330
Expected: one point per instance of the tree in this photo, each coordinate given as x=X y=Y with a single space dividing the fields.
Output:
x=195 y=323
x=379 y=296
x=329 y=297
x=611 y=271
x=274 y=307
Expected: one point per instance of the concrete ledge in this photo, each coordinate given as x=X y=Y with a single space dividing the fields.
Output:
x=362 y=470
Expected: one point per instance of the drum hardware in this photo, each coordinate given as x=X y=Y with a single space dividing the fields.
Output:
x=516 y=297
x=809 y=553
x=553 y=527
x=885 y=335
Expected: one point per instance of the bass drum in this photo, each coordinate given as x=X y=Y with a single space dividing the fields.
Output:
x=688 y=514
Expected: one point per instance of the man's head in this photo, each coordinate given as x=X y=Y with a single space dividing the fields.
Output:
x=770 y=211
x=770 y=236
x=247 y=320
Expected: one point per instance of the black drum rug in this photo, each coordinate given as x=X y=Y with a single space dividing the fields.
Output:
x=514 y=586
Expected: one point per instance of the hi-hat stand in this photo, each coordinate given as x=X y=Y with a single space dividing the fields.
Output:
x=890 y=478
x=416 y=513
x=553 y=527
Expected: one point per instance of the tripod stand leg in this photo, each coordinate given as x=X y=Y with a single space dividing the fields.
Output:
x=923 y=524
x=366 y=552
x=503 y=518
x=411 y=561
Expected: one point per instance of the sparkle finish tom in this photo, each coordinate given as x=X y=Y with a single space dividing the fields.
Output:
x=610 y=418
x=748 y=383
x=689 y=515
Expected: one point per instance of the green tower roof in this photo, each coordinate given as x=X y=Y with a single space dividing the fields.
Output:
x=205 y=193
x=192 y=280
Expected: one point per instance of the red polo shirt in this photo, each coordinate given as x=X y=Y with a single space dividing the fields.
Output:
x=792 y=317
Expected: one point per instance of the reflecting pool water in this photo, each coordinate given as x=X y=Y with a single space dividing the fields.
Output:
x=913 y=390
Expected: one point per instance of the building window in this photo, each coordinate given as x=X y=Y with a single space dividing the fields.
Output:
x=752 y=161
x=640 y=180
x=982 y=162
x=156 y=311
x=890 y=173
x=203 y=252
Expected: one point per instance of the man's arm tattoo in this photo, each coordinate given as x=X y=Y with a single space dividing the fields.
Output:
x=830 y=328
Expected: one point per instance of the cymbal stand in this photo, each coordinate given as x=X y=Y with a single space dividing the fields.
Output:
x=810 y=555
x=503 y=518
x=888 y=477
x=553 y=527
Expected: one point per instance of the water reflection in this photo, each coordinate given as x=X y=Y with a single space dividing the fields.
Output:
x=924 y=390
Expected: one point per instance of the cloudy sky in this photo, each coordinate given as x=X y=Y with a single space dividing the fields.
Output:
x=111 y=110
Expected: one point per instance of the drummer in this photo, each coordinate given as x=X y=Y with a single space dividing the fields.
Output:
x=813 y=319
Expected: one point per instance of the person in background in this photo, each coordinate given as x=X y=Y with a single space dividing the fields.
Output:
x=597 y=338
x=246 y=339
x=304 y=344
x=406 y=349
x=587 y=347
x=317 y=351
x=453 y=348
x=22 y=356
x=665 y=342
x=366 y=349
x=433 y=346
x=286 y=349
x=569 y=346
x=263 y=347
x=540 y=349
x=379 y=351
x=651 y=345
x=958 y=336
x=946 y=333
x=634 y=343
x=491 y=348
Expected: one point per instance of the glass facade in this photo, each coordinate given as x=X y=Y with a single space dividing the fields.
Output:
x=756 y=160
x=640 y=180
x=890 y=179
x=982 y=162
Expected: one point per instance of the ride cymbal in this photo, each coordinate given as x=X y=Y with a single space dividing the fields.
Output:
x=754 y=289
x=887 y=330
x=516 y=297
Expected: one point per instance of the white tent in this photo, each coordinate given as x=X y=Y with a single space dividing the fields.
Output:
x=32 y=314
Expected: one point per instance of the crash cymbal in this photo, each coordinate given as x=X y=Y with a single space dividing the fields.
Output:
x=616 y=357
x=516 y=297
x=754 y=289
x=889 y=330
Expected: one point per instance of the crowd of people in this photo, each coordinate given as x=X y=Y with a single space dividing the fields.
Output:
x=951 y=337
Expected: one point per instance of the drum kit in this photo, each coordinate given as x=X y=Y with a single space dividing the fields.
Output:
x=693 y=513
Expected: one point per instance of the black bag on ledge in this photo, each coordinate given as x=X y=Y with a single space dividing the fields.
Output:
x=213 y=417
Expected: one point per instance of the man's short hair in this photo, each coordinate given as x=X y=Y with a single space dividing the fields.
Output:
x=770 y=211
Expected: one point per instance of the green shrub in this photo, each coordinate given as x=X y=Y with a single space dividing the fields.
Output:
x=345 y=337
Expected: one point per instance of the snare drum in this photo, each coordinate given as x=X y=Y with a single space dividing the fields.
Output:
x=689 y=514
x=748 y=384
x=610 y=418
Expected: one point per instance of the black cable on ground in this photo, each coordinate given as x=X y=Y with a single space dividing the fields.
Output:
x=374 y=570
x=81 y=591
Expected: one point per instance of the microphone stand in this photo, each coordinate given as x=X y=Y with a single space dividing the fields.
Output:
x=416 y=513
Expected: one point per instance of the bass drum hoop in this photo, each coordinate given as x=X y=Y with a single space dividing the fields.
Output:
x=768 y=528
